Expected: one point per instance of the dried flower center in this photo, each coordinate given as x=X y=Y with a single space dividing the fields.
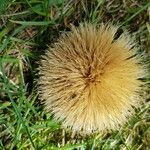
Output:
x=93 y=75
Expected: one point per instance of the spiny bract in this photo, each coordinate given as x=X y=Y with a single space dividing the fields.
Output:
x=89 y=79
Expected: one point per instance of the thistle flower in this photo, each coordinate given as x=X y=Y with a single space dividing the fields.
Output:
x=89 y=79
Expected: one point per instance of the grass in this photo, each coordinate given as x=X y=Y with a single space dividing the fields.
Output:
x=27 y=27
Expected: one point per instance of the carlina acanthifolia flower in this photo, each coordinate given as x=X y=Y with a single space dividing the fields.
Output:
x=88 y=79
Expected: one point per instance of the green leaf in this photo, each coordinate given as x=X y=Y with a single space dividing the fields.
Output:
x=3 y=5
x=33 y=23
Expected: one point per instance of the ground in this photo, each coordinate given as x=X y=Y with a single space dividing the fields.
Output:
x=26 y=29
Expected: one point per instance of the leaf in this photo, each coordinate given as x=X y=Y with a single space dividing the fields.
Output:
x=3 y=5
x=148 y=27
x=32 y=23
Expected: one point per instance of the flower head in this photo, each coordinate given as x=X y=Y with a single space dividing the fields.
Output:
x=89 y=79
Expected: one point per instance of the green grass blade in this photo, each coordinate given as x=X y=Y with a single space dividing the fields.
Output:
x=17 y=111
x=135 y=14
x=33 y=23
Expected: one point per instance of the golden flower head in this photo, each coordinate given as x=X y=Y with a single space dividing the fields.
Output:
x=89 y=79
